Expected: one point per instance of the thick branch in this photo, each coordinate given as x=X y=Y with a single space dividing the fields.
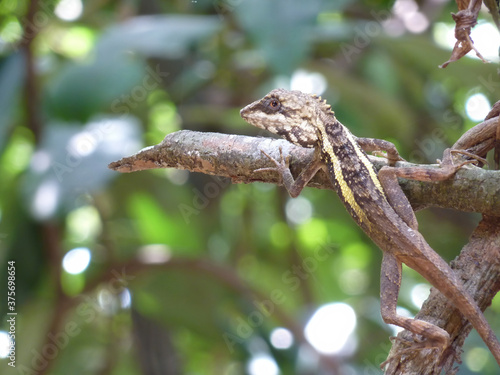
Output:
x=472 y=189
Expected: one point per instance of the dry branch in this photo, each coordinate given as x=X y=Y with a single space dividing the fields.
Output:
x=465 y=19
x=236 y=157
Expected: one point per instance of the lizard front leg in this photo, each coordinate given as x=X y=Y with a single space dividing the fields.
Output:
x=294 y=187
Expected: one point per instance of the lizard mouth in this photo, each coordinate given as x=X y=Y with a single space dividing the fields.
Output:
x=248 y=114
x=245 y=112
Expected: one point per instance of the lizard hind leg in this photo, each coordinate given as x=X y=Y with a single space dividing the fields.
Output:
x=433 y=336
x=388 y=177
x=395 y=196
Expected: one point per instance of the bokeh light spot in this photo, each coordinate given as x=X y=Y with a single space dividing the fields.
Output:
x=77 y=260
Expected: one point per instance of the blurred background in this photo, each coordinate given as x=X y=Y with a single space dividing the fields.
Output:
x=171 y=272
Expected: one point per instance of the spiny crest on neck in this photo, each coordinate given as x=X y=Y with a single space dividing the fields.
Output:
x=323 y=105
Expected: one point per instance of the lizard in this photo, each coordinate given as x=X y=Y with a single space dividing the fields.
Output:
x=375 y=202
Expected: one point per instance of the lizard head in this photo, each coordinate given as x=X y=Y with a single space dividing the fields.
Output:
x=290 y=114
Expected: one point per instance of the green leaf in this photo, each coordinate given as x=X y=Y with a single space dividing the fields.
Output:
x=81 y=90
x=155 y=226
x=280 y=29
x=158 y=36
x=72 y=161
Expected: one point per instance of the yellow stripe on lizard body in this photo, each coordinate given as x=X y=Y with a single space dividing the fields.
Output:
x=366 y=162
x=347 y=193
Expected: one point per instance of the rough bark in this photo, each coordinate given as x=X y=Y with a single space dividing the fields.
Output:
x=236 y=157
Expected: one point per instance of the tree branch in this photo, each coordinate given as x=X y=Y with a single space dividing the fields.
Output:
x=236 y=157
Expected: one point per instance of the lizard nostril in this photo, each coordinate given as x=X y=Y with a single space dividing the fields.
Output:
x=244 y=112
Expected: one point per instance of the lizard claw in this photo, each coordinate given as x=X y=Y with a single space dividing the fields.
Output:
x=448 y=159
x=409 y=347
x=390 y=158
x=280 y=166
x=294 y=187
x=475 y=158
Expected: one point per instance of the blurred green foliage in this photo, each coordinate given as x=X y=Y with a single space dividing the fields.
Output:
x=190 y=274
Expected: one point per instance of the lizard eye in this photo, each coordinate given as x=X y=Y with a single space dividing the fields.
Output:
x=274 y=104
